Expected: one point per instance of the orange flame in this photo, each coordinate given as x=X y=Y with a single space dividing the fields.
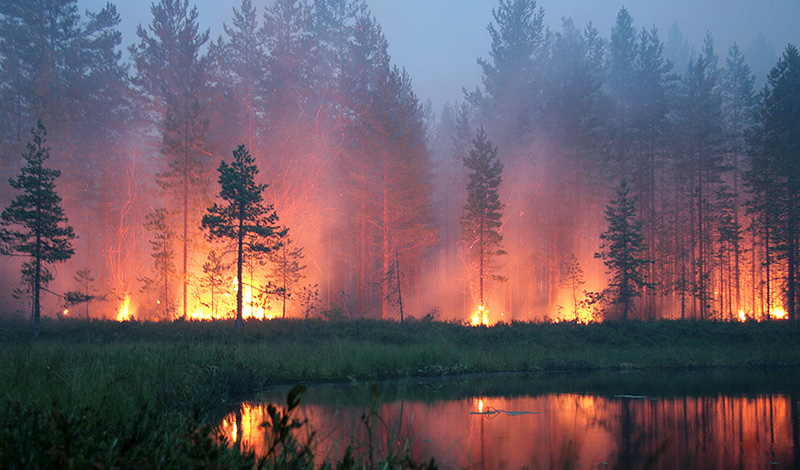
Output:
x=480 y=317
x=123 y=314
x=742 y=316
x=778 y=313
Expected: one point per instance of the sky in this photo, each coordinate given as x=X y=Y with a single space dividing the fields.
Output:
x=439 y=41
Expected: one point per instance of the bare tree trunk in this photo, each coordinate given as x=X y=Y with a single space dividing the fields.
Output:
x=37 y=285
x=239 y=323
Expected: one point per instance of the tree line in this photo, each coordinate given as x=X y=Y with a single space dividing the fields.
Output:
x=695 y=145
x=366 y=176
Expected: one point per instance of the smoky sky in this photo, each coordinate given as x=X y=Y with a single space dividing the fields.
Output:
x=439 y=41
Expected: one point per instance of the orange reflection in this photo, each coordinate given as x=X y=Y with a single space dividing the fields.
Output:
x=552 y=431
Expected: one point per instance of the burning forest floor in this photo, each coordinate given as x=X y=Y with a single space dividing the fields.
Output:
x=140 y=390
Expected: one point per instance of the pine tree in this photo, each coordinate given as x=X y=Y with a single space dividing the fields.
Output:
x=701 y=126
x=621 y=71
x=172 y=73
x=774 y=178
x=241 y=67
x=572 y=278
x=623 y=250
x=162 y=250
x=216 y=278
x=287 y=270
x=482 y=221
x=242 y=217
x=387 y=166
x=34 y=224
x=511 y=86
x=738 y=106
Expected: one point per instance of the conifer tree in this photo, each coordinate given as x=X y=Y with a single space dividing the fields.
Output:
x=172 y=73
x=242 y=217
x=216 y=278
x=572 y=278
x=738 y=106
x=774 y=178
x=482 y=220
x=34 y=224
x=511 y=87
x=623 y=250
x=162 y=246
x=287 y=270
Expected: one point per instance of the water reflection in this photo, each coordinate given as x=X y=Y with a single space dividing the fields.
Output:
x=555 y=431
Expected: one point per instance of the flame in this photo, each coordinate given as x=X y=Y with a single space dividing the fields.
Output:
x=123 y=314
x=65 y=312
x=250 y=307
x=480 y=317
x=742 y=316
x=199 y=314
x=480 y=405
x=778 y=312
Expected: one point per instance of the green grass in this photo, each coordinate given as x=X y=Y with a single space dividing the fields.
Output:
x=118 y=382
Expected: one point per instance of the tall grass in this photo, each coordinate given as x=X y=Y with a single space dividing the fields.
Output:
x=119 y=381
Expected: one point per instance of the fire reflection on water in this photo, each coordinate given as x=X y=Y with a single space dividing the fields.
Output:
x=549 y=431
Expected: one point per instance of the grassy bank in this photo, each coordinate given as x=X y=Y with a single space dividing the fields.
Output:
x=150 y=385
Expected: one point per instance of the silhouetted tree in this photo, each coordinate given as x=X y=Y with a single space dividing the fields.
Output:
x=572 y=278
x=242 y=217
x=162 y=250
x=623 y=250
x=287 y=270
x=482 y=219
x=34 y=224
x=388 y=166
x=738 y=104
x=621 y=76
x=774 y=178
x=172 y=73
x=510 y=97
x=701 y=127
x=216 y=278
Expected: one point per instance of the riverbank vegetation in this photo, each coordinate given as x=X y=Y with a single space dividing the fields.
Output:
x=119 y=392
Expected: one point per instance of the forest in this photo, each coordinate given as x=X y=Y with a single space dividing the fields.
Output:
x=592 y=175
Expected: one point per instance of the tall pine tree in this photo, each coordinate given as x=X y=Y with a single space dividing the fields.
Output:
x=171 y=72
x=774 y=178
x=482 y=221
x=623 y=250
x=242 y=218
x=34 y=224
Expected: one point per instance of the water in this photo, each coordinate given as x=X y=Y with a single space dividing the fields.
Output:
x=667 y=420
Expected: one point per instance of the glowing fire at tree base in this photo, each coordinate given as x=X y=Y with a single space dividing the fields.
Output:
x=124 y=314
x=480 y=317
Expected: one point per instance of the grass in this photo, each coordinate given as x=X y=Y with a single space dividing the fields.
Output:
x=142 y=390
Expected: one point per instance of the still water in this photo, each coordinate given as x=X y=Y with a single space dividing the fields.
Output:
x=724 y=420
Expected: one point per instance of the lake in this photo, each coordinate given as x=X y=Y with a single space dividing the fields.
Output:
x=666 y=419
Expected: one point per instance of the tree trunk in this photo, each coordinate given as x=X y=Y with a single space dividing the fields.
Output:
x=399 y=289
x=240 y=288
x=285 y=293
x=37 y=285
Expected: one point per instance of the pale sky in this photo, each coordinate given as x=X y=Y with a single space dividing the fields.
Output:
x=439 y=41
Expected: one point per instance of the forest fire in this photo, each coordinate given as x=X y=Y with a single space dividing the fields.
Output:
x=493 y=202
x=480 y=317
x=778 y=313
x=124 y=311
